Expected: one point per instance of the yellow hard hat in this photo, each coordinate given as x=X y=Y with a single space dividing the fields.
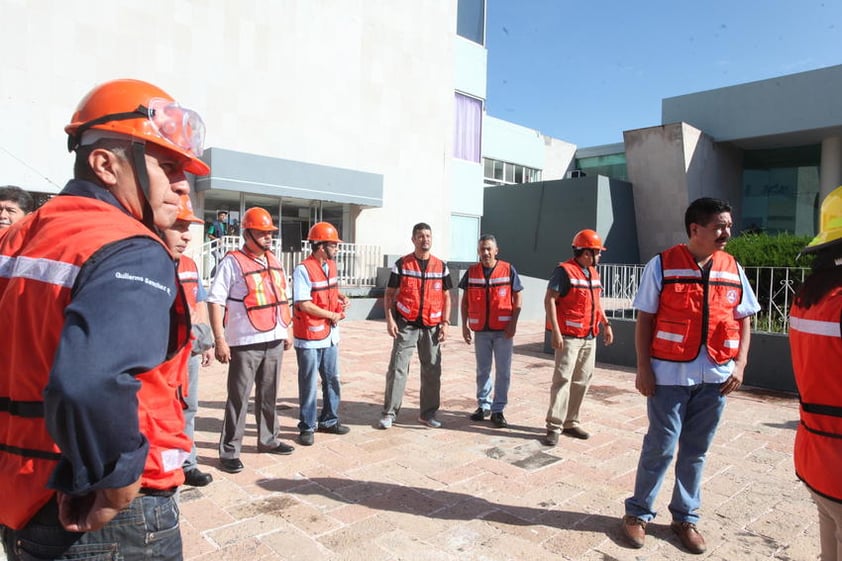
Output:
x=830 y=219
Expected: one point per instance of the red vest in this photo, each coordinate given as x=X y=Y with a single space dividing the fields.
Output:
x=324 y=293
x=687 y=299
x=489 y=300
x=579 y=312
x=188 y=276
x=816 y=343
x=267 y=290
x=38 y=267
x=421 y=292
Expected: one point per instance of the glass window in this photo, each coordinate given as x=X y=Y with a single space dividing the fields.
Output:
x=468 y=129
x=498 y=170
x=470 y=20
x=610 y=165
x=509 y=176
x=464 y=233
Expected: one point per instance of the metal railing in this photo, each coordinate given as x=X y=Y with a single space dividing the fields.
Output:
x=356 y=264
x=774 y=287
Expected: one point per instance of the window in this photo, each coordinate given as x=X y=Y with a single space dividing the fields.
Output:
x=464 y=232
x=468 y=129
x=470 y=20
x=611 y=165
x=497 y=172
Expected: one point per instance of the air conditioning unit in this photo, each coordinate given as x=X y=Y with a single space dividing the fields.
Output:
x=575 y=173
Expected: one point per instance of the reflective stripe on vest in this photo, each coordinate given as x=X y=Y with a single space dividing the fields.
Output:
x=266 y=298
x=421 y=293
x=579 y=312
x=489 y=300
x=324 y=293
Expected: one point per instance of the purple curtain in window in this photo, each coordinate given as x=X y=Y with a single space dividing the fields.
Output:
x=466 y=144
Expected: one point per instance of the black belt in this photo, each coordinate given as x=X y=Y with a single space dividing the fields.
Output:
x=149 y=492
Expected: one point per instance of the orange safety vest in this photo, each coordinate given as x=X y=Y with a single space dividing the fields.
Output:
x=579 y=312
x=324 y=293
x=694 y=311
x=815 y=338
x=188 y=276
x=267 y=290
x=39 y=264
x=421 y=292
x=489 y=300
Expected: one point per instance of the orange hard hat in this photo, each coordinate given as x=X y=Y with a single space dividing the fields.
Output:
x=139 y=110
x=323 y=232
x=185 y=211
x=587 y=239
x=257 y=218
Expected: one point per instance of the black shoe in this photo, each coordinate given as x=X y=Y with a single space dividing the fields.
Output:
x=576 y=432
x=551 y=439
x=196 y=478
x=231 y=465
x=338 y=428
x=281 y=449
x=498 y=420
x=306 y=438
x=479 y=415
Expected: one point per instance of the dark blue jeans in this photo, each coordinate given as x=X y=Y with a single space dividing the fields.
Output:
x=146 y=529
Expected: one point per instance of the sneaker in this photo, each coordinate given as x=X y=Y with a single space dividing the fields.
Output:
x=690 y=537
x=431 y=422
x=634 y=529
x=551 y=439
x=576 y=432
x=479 y=415
x=498 y=420
x=306 y=438
x=385 y=422
x=337 y=428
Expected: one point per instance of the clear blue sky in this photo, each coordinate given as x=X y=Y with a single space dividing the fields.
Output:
x=586 y=70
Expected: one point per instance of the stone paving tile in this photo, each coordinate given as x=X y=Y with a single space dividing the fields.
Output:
x=475 y=493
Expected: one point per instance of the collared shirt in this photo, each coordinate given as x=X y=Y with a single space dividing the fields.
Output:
x=301 y=288
x=228 y=289
x=701 y=369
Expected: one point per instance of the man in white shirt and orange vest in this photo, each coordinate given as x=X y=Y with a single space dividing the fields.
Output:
x=694 y=308
x=417 y=315
x=574 y=312
x=318 y=308
x=251 y=319
x=490 y=309
x=177 y=238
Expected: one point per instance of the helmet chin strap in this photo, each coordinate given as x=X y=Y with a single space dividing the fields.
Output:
x=138 y=161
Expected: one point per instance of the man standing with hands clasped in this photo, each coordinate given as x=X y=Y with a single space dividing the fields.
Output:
x=490 y=308
x=692 y=337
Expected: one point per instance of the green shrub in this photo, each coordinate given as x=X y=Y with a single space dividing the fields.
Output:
x=764 y=250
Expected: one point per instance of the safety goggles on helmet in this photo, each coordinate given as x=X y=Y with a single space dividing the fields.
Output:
x=178 y=125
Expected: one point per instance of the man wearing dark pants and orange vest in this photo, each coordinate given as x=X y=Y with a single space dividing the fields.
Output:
x=95 y=340
x=319 y=306
x=815 y=337
x=574 y=312
x=251 y=319
x=177 y=239
x=417 y=315
x=490 y=308
x=692 y=336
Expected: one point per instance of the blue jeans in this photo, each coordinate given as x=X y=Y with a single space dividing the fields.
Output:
x=145 y=530
x=488 y=345
x=192 y=402
x=313 y=364
x=686 y=416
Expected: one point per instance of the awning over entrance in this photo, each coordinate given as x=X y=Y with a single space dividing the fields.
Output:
x=262 y=175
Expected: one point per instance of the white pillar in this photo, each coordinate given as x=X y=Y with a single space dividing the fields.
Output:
x=830 y=172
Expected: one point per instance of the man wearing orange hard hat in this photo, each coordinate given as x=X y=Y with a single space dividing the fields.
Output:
x=250 y=317
x=96 y=339
x=319 y=307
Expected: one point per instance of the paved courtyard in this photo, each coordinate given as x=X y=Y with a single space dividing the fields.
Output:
x=473 y=492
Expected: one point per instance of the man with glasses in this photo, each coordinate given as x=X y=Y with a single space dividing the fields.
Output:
x=574 y=312
x=319 y=306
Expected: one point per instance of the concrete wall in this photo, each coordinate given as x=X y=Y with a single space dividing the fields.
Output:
x=535 y=223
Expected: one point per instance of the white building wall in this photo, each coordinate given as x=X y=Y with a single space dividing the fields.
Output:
x=517 y=144
x=360 y=84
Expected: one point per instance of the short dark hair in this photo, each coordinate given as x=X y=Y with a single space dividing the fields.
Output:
x=18 y=196
x=81 y=167
x=218 y=212
x=487 y=238
x=420 y=226
x=701 y=210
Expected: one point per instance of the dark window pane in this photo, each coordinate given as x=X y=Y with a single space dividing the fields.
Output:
x=470 y=21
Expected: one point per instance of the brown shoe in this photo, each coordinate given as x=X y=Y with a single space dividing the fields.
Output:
x=635 y=530
x=690 y=537
x=575 y=432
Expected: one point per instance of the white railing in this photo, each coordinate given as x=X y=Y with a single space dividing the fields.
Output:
x=775 y=288
x=356 y=263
